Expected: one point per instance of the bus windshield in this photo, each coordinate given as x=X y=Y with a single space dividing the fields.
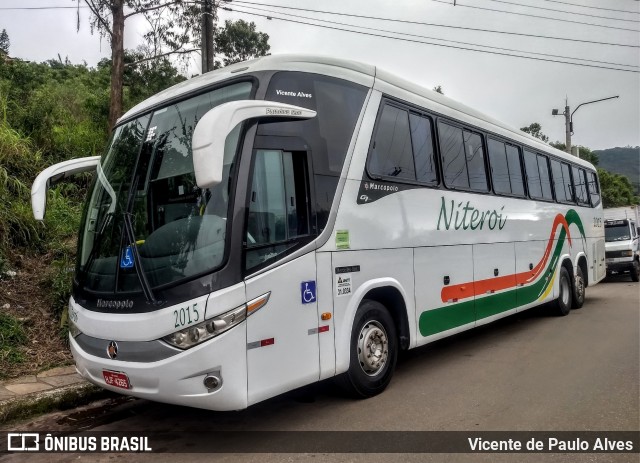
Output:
x=617 y=232
x=147 y=172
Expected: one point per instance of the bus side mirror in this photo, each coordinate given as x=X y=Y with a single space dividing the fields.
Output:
x=53 y=174
x=210 y=135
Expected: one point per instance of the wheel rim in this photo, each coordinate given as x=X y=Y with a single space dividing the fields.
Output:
x=373 y=348
x=580 y=287
x=564 y=290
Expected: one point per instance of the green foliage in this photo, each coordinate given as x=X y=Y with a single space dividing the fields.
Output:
x=239 y=41
x=12 y=336
x=535 y=130
x=616 y=190
x=18 y=161
x=51 y=112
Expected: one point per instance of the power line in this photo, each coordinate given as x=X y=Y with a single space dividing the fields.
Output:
x=537 y=16
x=442 y=40
x=43 y=7
x=425 y=42
x=592 y=7
x=403 y=21
x=563 y=11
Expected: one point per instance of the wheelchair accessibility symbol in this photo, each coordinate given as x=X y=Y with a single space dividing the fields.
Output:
x=127 y=258
x=308 y=292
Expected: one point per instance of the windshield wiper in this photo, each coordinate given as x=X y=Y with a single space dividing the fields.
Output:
x=137 y=263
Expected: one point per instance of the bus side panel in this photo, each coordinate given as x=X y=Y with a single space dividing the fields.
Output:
x=531 y=268
x=282 y=337
x=600 y=269
x=326 y=340
x=494 y=281
x=439 y=313
x=389 y=268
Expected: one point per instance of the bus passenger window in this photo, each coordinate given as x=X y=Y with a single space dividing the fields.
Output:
x=545 y=181
x=506 y=168
x=475 y=161
x=499 y=167
x=515 y=170
x=454 y=164
x=391 y=154
x=422 y=138
x=568 y=187
x=533 y=175
x=594 y=190
x=580 y=186
x=558 y=181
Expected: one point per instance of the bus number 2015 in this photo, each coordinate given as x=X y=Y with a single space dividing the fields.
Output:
x=186 y=315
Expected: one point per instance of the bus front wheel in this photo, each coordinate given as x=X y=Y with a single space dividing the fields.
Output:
x=373 y=351
x=563 y=303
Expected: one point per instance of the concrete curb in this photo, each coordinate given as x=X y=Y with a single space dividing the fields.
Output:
x=60 y=388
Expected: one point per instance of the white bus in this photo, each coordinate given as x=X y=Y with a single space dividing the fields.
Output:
x=294 y=218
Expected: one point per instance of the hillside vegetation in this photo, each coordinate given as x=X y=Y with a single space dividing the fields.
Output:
x=49 y=112
x=623 y=161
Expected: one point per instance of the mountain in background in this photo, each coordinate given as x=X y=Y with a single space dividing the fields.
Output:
x=625 y=161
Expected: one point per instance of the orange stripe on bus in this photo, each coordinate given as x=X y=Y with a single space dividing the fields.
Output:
x=466 y=290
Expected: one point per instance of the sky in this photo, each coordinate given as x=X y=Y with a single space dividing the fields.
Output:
x=514 y=90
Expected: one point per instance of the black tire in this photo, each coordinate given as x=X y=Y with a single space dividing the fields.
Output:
x=579 y=290
x=563 y=303
x=366 y=377
x=635 y=271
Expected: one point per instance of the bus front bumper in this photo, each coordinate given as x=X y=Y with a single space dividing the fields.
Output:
x=179 y=379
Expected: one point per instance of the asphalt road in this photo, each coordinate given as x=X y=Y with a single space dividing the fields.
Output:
x=528 y=372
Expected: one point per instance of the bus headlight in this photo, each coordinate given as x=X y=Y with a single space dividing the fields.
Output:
x=72 y=318
x=74 y=331
x=627 y=253
x=196 y=334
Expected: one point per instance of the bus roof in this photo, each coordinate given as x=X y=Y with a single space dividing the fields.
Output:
x=354 y=71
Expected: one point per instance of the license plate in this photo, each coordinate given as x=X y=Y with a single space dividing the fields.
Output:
x=114 y=378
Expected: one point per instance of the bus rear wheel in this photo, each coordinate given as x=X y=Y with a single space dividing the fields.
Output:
x=563 y=303
x=373 y=351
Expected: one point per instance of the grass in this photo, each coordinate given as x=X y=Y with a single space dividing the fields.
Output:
x=12 y=337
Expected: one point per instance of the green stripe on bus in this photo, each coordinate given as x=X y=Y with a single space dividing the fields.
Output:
x=496 y=303
x=448 y=317
x=445 y=318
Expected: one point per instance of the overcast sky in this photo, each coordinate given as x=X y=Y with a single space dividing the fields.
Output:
x=515 y=90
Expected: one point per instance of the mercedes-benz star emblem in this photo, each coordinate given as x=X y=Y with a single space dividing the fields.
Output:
x=112 y=350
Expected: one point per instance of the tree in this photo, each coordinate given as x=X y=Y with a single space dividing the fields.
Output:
x=239 y=41
x=535 y=130
x=143 y=78
x=4 y=42
x=173 y=25
x=616 y=190
x=583 y=152
x=438 y=89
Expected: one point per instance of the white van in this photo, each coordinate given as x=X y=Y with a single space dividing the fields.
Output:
x=621 y=247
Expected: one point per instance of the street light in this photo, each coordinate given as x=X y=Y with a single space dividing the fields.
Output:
x=568 y=118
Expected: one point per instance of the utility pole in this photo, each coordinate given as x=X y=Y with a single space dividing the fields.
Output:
x=568 y=118
x=567 y=126
x=207 y=36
